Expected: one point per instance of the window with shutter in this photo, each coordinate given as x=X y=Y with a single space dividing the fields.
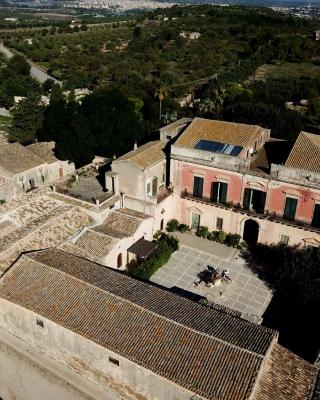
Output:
x=154 y=186
x=316 y=216
x=219 y=192
x=197 y=186
x=214 y=191
x=223 y=192
x=290 y=208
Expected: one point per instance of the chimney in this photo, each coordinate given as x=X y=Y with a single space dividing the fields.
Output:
x=135 y=146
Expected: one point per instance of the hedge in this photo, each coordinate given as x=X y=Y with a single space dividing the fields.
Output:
x=166 y=246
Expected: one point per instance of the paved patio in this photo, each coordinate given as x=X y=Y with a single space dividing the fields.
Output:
x=246 y=292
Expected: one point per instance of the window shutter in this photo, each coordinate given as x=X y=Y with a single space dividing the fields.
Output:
x=214 y=191
x=223 y=192
x=246 y=198
x=290 y=208
x=197 y=186
x=316 y=216
x=154 y=186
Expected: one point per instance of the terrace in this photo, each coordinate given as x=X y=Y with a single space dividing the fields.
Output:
x=246 y=292
x=86 y=184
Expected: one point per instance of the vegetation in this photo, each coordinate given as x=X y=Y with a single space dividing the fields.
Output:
x=27 y=118
x=16 y=81
x=218 y=68
x=106 y=123
x=294 y=275
x=166 y=246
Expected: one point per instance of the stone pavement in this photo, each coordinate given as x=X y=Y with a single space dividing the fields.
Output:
x=246 y=293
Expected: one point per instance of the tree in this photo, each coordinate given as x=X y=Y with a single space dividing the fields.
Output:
x=47 y=85
x=27 y=118
x=56 y=95
x=18 y=64
x=113 y=119
x=70 y=130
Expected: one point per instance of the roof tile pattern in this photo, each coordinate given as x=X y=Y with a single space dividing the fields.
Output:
x=120 y=224
x=44 y=151
x=305 y=153
x=218 y=131
x=210 y=367
x=92 y=245
x=48 y=230
x=211 y=321
x=277 y=384
x=146 y=155
x=15 y=158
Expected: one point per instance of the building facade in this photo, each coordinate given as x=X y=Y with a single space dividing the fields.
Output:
x=222 y=179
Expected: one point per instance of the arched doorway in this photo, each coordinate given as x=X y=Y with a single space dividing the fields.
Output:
x=251 y=231
x=119 y=260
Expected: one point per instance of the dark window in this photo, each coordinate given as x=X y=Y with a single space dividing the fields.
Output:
x=154 y=186
x=316 y=216
x=197 y=186
x=284 y=239
x=40 y=323
x=195 y=222
x=114 y=361
x=290 y=208
x=254 y=200
x=168 y=137
x=219 y=192
x=219 y=224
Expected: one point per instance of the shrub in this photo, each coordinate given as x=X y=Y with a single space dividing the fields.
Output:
x=202 y=231
x=166 y=246
x=182 y=228
x=172 y=225
x=222 y=236
x=233 y=239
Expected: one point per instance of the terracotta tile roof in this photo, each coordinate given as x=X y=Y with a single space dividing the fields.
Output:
x=133 y=213
x=201 y=349
x=315 y=394
x=286 y=377
x=91 y=245
x=120 y=224
x=6 y=227
x=44 y=151
x=305 y=153
x=218 y=131
x=15 y=158
x=50 y=229
x=146 y=155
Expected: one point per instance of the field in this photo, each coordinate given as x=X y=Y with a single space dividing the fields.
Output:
x=286 y=70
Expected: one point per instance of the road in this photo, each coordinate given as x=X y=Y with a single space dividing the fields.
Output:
x=35 y=71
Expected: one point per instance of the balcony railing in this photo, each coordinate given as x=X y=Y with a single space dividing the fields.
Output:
x=261 y=214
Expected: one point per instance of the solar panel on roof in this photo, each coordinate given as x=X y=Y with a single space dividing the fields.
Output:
x=218 y=147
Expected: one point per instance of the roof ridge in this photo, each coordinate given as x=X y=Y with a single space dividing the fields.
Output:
x=141 y=307
x=99 y=233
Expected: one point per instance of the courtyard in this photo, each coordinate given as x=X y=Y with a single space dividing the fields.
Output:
x=245 y=293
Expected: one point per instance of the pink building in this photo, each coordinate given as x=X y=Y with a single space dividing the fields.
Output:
x=226 y=176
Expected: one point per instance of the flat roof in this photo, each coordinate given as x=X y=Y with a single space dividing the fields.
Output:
x=143 y=248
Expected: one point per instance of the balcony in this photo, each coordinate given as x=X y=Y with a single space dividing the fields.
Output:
x=163 y=194
x=236 y=207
